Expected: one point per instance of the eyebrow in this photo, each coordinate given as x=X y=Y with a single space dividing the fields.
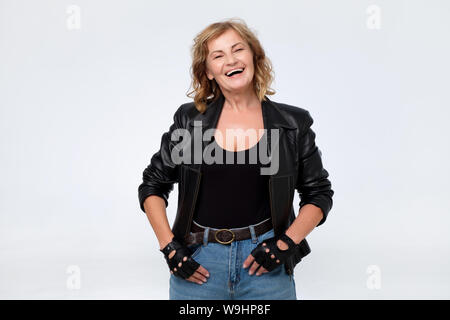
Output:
x=231 y=47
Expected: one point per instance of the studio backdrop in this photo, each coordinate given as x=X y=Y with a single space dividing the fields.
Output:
x=88 y=87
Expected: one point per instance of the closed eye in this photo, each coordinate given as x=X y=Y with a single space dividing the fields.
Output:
x=235 y=51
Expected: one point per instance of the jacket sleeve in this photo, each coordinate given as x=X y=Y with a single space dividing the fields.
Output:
x=161 y=174
x=312 y=181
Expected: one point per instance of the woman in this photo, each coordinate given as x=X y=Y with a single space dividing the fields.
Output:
x=235 y=235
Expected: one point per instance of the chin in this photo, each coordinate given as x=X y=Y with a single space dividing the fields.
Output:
x=240 y=84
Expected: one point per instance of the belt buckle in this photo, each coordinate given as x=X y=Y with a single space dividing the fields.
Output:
x=224 y=242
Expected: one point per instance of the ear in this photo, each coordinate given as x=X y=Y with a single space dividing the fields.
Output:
x=209 y=75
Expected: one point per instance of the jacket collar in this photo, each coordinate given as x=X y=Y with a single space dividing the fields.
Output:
x=272 y=115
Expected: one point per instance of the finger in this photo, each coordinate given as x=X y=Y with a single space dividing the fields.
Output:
x=200 y=276
x=195 y=278
x=248 y=261
x=253 y=268
x=202 y=271
x=261 y=271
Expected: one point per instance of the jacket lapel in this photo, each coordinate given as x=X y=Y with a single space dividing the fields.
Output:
x=272 y=116
x=281 y=184
x=274 y=119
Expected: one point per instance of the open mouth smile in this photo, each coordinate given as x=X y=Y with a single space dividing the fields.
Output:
x=235 y=73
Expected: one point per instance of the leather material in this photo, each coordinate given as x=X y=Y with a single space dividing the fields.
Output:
x=264 y=258
x=300 y=168
x=188 y=267
x=222 y=235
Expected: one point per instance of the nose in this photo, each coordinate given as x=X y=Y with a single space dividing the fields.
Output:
x=230 y=59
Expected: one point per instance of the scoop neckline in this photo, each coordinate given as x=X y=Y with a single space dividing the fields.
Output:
x=262 y=136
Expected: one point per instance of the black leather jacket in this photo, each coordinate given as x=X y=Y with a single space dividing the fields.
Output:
x=300 y=168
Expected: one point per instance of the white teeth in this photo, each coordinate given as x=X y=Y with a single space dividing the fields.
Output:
x=234 y=70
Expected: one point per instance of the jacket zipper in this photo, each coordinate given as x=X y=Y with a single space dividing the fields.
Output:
x=193 y=203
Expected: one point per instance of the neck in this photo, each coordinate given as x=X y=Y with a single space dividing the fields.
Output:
x=240 y=101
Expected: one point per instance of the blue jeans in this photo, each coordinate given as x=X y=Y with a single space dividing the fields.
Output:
x=228 y=279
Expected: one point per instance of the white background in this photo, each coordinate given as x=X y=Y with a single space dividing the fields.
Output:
x=82 y=112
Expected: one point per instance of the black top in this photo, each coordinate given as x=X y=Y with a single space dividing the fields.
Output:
x=233 y=195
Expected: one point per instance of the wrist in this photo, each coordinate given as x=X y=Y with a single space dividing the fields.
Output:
x=164 y=242
x=293 y=236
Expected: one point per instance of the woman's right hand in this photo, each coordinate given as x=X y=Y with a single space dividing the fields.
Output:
x=181 y=264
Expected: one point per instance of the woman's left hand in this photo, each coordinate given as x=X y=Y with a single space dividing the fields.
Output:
x=269 y=254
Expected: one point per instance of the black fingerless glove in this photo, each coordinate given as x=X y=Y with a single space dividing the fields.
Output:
x=264 y=258
x=187 y=267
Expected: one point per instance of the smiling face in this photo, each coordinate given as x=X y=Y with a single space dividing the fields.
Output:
x=230 y=52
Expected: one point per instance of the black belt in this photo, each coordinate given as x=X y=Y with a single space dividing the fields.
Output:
x=226 y=236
